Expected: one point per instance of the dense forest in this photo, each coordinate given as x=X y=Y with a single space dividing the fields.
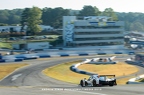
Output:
x=53 y=16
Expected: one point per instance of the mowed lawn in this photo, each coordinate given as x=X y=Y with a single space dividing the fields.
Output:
x=6 y=69
x=62 y=71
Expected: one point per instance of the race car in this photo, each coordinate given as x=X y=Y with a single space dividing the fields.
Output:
x=99 y=80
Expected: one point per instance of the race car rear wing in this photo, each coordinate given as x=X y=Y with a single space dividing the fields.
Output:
x=108 y=75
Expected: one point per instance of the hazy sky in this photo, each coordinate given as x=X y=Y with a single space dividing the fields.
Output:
x=117 y=5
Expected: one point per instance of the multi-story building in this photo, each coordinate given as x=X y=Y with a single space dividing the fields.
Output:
x=92 y=31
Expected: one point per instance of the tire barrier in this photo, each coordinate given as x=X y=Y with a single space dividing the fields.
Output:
x=118 y=53
x=44 y=56
x=10 y=60
x=101 y=53
x=83 y=54
x=2 y=60
x=74 y=67
x=31 y=57
x=63 y=55
x=26 y=57
x=134 y=80
x=131 y=53
x=135 y=63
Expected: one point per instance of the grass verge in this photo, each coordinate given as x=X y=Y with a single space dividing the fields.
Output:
x=5 y=45
x=63 y=73
x=6 y=69
x=119 y=69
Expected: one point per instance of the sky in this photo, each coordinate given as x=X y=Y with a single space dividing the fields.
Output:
x=116 y=5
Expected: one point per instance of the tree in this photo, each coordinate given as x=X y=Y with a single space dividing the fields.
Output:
x=34 y=20
x=4 y=16
x=15 y=19
x=32 y=16
x=89 y=11
x=127 y=25
x=110 y=13
x=53 y=17
x=46 y=16
x=137 y=26
x=24 y=18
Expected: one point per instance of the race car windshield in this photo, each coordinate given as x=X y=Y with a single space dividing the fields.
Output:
x=102 y=78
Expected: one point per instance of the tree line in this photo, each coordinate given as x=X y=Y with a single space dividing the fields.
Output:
x=53 y=17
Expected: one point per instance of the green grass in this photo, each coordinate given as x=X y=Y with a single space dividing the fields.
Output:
x=5 y=45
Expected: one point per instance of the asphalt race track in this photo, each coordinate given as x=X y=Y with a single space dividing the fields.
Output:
x=30 y=81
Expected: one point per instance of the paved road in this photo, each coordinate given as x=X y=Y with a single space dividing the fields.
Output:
x=30 y=81
x=117 y=90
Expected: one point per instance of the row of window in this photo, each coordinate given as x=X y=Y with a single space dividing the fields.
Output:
x=111 y=32
x=97 y=27
x=95 y=44
x=98 y=38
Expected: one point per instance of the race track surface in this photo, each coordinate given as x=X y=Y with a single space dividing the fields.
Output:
x=30 y=81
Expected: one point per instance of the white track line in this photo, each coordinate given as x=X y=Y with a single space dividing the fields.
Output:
x=15 y=77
